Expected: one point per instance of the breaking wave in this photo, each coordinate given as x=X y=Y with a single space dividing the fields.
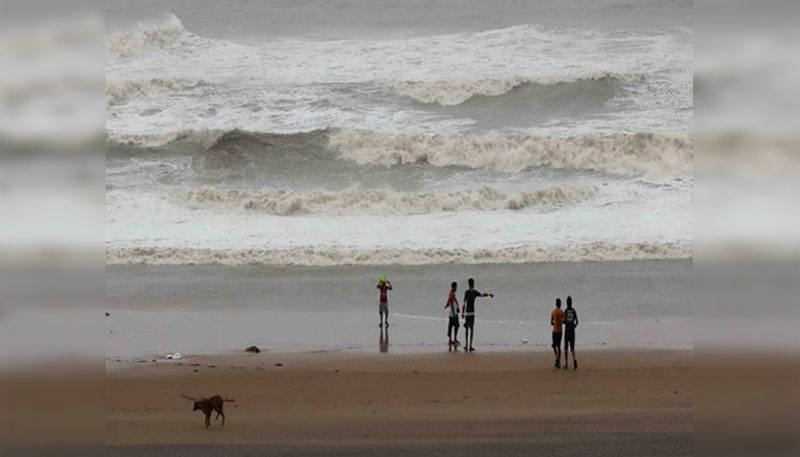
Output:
x=144 y=37
x=308 y=256
x=624 y=154
x=641 y=153
x=456 y=92
x=287 y=203
x=119 y=92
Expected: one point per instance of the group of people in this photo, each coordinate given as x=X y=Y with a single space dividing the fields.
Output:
x=563 y=322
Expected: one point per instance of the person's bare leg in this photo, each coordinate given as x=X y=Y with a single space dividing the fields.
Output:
x=472 y=339
x=558 y=356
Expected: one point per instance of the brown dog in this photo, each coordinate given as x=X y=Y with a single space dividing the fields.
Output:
x=209 y=405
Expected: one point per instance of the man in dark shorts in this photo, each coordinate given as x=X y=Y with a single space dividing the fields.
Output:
x=468 y=313
x=570 y=322
x=557 y=321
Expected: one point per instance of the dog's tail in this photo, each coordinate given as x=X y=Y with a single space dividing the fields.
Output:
x=229 y=399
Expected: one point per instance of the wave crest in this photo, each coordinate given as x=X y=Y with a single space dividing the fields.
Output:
x=623 y=154
x=641 y=153
x=144 y=37
x=308 y=256
x=287 y=203
x=456 y=92
x=119 y=92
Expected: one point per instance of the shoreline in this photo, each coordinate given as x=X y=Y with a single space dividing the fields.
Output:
x=323 y=357
x=218 y=310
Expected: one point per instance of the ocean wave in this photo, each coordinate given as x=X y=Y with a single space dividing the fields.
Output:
x=624 y=154
x=204 y=140
x=381 y=201
x=456 y=92
x=641 y=153
x=119 y=92
x=144 y=37
x=308 y=256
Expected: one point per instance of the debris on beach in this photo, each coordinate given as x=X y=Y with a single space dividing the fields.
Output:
x=175 y=356
x=253 y=349
x=279 y=364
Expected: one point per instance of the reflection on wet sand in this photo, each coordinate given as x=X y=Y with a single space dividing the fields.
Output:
x=383 y=340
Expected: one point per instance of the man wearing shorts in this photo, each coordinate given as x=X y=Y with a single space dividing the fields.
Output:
x=383 y=304
x=468 y=313
x=452 y=318
x=570 y=322
x=557 y=321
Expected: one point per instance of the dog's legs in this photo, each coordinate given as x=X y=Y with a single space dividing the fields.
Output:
x=208 y=420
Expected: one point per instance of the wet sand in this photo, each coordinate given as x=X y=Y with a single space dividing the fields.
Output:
x=209 y=309
x=343 y=403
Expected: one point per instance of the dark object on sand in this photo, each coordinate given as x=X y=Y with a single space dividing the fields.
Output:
x=107 y=314
x=254 y=349
x=278 y=364
x=209 y=405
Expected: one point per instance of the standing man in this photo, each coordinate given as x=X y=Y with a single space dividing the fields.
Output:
x=468 y=313
x=383 y=305
x=557 y=320
x=570 y=322
x=452 y=320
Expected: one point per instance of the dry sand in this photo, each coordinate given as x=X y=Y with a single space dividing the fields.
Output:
x=344 y=403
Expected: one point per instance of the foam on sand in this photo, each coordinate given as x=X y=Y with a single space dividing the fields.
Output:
x=309 y=256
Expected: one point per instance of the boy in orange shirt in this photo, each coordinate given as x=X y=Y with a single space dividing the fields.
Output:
x=557 y=321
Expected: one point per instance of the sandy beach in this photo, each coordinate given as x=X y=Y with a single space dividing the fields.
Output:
x=618 y=402
x=329 y=382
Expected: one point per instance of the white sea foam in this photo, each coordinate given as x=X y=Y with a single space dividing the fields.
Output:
x=346 y=256
x=618 y=153
x=383 y=201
